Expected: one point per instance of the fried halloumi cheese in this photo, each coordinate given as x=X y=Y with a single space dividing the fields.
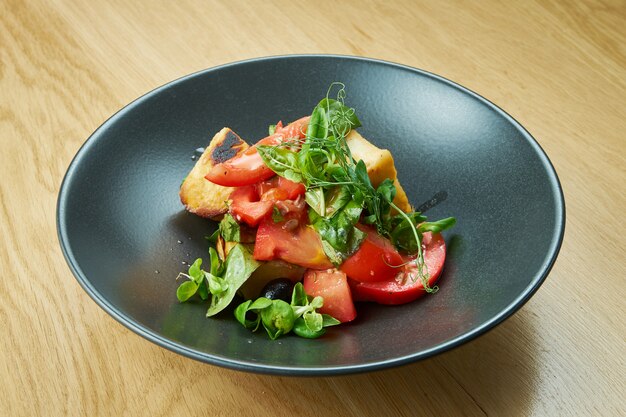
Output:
x=379 y=164
x=201 y=196
x=206 y=199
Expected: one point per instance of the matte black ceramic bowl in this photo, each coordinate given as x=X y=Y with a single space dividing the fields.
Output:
x=125 y=234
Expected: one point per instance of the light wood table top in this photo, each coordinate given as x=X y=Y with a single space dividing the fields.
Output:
x=558 y=67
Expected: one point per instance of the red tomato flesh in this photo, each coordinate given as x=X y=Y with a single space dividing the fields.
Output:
x=251 y=203
x=405 y=286
x=332 y=286
x=248 y=167
x=375 y=259
x=290 y=240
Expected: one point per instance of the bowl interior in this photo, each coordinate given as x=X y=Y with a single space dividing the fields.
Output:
x=126 y=235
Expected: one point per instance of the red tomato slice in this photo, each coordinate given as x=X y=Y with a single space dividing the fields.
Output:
x=279 y=188
x=251 y=203
x=375 y=259
x=290 y=240
x=246 y=206
x=247 y=167
x=332 y=285
x=402 y=289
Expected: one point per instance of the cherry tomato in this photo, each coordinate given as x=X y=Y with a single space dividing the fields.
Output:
x=332 y=285
x=290 y=240
x=248 y=167
x=375 y=260
x=405 y=286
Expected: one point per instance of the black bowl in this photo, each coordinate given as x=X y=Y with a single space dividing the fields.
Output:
x=125 y=234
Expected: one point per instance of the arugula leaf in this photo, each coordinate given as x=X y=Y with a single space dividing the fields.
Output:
x=229 y=229
x=239 y=266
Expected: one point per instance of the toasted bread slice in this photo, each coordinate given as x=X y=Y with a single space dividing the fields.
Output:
x=380 y=165
x=201 y=196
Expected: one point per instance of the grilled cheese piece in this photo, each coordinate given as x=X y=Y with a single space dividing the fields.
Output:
x=201 y=196
x=379 y=164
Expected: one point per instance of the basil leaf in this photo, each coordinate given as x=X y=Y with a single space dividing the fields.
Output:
x=271 y=130
x=339 y=232
x=186 y=290
x=336 y=198
x=282 y=161
x=229 y=229
x=314 y=197
x=239 y=266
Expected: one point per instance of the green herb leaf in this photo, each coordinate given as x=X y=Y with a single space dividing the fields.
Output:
x=271 y=129
x=339 y=232
x=282 y=161
x=195 y=272
x=313 y=321
x=298 y=296
x=186 y=290
x=239 y=266
x=301 y=329
x=229 y=229
x=438 y=226
x=203 y=291
x=277 y=216
x=278 y=318
x=329 y=320
x=402 y=235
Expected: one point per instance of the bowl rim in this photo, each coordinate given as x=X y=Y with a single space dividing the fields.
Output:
x=248 y=366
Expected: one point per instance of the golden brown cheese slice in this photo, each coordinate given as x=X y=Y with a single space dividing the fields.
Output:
x=201 y=196
x=380 y=165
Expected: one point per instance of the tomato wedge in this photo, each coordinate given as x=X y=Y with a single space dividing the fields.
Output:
x=248 y=167
x=246 y=206
x=251 y=203
x=290 y=240
x=402 y=288
x=374 y=260
x=332 y=286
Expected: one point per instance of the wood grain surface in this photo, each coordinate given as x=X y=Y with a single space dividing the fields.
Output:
x=558 y=67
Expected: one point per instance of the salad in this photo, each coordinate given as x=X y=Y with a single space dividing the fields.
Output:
x=312 y=219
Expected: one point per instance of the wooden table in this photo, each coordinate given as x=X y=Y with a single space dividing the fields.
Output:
x=557 y=67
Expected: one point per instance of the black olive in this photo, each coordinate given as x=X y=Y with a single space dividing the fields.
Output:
x=278 y=289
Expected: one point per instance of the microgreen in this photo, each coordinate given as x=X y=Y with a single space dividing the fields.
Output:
x=279 y=318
